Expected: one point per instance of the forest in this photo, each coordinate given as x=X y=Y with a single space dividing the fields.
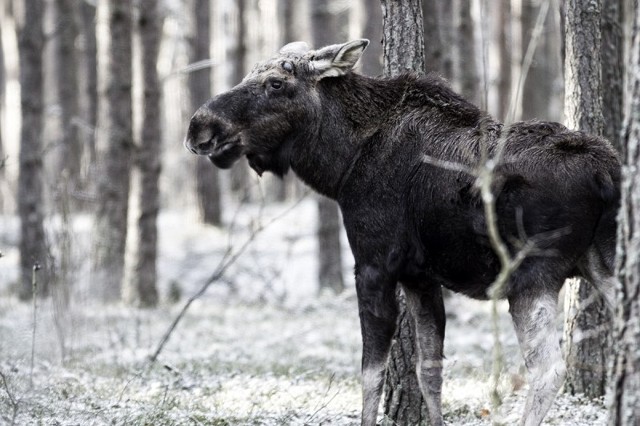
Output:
x=141 y=285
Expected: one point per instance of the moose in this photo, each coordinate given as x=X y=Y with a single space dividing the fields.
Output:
x=362 y=141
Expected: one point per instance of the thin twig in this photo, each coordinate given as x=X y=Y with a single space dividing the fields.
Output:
x=15 y=404
x=228 y=259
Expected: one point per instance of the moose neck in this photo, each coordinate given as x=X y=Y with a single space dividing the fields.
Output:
x=352 y=109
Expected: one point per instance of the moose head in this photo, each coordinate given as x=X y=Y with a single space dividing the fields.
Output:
x=276 y=104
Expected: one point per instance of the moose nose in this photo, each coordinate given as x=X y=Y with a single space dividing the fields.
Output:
x=202 y=144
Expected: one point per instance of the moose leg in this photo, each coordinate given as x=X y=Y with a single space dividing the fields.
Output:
x=427 y=310
x=534 y=320
x=378 y=312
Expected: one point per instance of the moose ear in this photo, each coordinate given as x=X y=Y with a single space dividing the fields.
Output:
x=337 y=59
x=295 y=47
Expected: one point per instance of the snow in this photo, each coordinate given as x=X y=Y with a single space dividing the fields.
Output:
x=261 y=347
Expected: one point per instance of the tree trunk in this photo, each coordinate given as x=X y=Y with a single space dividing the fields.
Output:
x=434 y=49
x=90 y=78
x=372 y=60
x=70 y=153
x=625 y=406
x=143 y=274
x=115 y=141
x=207 y=180
x=612 y=57
x=240 y=170
x=504 y=48
x=467 y=69
x=2 y=84
x=586 y=317
x=325 y=31
x=33 y=246
x=539 y=89
x=403 y=50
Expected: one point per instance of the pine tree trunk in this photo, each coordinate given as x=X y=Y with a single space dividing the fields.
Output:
x=240 y=170
x=504 y=47
x=143 y=275
x=403 y=50
x=33 y=246
x=329 y=248
x=612 y=56
x=625 y=406
x=207 y=179
x=467 y=69
x=70 y=153
x=325 y=31
x=587 y=336
x=115 y=141
x=372 y=61
x=90 y=78
x=2 y=84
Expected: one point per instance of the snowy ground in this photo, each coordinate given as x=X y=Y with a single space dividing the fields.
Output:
x=260 y=348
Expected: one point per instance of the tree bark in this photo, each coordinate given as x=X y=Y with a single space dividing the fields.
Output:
x=587 y=337
x=625 y=407
x=115 y=140
x=325 y=31
x=403 y=50
x=207 y=177
x=33 y=246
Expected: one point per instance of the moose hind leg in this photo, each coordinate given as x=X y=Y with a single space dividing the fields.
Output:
x=378 y=313
x=427 y=310
x=534 y=320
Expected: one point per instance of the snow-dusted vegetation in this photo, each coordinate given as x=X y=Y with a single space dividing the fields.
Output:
x=261 y=347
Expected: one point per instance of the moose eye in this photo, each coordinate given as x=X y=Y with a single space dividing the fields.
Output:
x=276 y=84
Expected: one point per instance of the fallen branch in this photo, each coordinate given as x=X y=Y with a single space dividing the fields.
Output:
x=229 y=258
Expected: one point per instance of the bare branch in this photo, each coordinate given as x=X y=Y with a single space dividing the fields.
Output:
x=228 y=259
x=449 y=165
x=15 y=404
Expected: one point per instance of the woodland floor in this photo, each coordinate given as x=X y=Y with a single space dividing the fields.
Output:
x=259 y=348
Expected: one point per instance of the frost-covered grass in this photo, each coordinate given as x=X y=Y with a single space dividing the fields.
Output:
x=260 y=348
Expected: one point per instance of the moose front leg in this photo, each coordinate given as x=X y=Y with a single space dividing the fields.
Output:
x=426 y=307
x=378 y=312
